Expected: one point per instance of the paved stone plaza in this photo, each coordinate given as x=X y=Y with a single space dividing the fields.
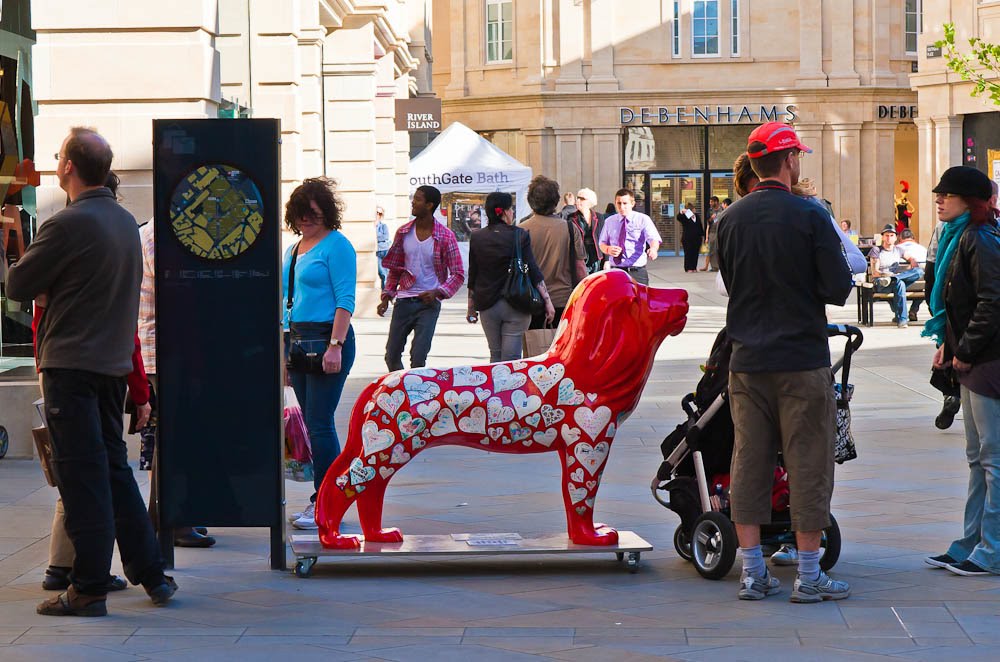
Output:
x=901 y=500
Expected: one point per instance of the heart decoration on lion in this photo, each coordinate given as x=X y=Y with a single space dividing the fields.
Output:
x=570 y=400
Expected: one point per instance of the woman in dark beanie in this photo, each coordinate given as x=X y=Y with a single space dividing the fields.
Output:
x=490 y=250
x=965 y=304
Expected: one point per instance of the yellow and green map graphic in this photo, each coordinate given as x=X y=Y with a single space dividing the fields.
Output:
x=216 y=212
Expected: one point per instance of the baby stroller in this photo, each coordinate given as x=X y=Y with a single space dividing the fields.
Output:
x=693 y=479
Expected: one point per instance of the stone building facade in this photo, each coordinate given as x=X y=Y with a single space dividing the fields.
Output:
x=955 y=128
x=330 y=71
x=661 y=94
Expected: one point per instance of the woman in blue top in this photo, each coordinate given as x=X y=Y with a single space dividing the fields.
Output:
x=322 y=305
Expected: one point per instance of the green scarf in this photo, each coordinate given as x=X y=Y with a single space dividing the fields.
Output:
x=951 y=233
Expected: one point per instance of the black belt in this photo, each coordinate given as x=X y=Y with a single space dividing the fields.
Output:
x=631 y=269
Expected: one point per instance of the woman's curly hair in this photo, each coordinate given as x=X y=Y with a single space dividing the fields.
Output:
x=323 y=191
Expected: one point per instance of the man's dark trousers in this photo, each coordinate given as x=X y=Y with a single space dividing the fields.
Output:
x=411 y=314
x=84 y=416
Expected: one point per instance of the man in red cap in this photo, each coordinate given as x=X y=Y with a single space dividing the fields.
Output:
x=782 y=262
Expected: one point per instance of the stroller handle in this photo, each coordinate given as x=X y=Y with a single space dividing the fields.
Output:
x=852 y=333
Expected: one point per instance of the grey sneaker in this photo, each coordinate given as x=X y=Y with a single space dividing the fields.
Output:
x=307 y=520
x=758 y=588
x=883 y=281
x=819 y=589
x=786 y=555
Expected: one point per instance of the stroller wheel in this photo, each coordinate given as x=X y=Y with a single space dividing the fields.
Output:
x=714 y=545
x=831 y=543
x=682 y=543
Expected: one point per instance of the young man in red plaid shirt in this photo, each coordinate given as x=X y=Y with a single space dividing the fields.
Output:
x=425 y=267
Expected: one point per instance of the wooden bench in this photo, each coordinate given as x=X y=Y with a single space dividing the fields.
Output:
x=867 y=296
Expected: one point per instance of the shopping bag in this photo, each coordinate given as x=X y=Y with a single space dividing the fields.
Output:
x=844 y=448
x=43 y=445
x=298 y=453
x=538 y=341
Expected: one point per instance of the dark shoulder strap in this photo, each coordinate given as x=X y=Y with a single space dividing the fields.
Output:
x=572 y=253
x=291 y=277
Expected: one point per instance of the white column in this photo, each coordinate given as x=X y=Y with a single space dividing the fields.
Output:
x=881 y=43
x=878 y=152
x=847 y=174
x=606 y=169
x=842 y=73
x=570 y=27
x=811 y=44
x=926 y=146
x=569 y=159
x=457 y=35
x=602 y=35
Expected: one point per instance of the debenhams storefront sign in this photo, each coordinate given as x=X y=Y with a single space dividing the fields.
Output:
x=749 y=114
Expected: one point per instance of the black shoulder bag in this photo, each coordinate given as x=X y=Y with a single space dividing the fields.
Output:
x=518 y=290
x=574 y=281
x=305 y=356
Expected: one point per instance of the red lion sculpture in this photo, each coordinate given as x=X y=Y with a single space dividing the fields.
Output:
x=571 y=400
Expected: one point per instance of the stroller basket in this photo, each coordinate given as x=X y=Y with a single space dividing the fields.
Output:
x=701 y=448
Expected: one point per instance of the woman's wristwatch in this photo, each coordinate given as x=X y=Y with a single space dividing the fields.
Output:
x=336 y=342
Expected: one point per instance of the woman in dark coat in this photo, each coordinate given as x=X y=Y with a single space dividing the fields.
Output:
x=965 y=302
x=692 y=235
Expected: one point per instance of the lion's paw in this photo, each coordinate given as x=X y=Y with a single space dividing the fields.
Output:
x=391 y=535
x=337 y=541
x=604 y=537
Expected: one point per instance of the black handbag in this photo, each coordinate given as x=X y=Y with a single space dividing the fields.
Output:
x=518 y=290
x=304 y=356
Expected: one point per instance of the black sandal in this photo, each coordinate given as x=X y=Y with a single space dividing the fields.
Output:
x=61 y=605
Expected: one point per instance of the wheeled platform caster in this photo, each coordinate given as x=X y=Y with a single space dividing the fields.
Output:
x=632 y=561
x=304 y=566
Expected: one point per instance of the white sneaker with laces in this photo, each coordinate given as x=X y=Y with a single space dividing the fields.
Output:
x=307 y=518
x=789 y=555
x=758 y=588
x=819 y=589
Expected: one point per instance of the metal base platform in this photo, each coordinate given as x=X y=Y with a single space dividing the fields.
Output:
x=307 y=548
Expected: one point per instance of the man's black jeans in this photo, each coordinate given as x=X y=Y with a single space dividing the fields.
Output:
x=411 y=315
x=83 y=411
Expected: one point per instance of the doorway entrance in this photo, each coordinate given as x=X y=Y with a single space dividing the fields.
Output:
x=662 y=195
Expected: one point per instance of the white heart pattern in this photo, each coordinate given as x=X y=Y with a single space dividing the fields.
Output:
x=445 y=424
x=385 y=472
x=429 y=410
x=551 y=415
x=519 y=365
x=545 y=378
x=568 y=395
x=576 y=494
x=360 y=473
x=498 y=413
x=423 y=372
x=390 y=402
x=591 y=457
x=519 y=432
x=495 y=433
x=577 y=476
x=392 y=379
x=466 y=376
x=570 y=435
x=417 y=443
x=475 y=422
x=482 y=394
x=545 y=438
x=591 y=397
x=409 y=426
x=459 y=402
x=399 y=455
x=374 y=440
x=525 y=404
x=505 y=380
x=419 y=390
x=592 y=420
x=369 y=406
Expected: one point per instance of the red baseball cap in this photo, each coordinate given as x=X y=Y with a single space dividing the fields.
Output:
x=776 y=136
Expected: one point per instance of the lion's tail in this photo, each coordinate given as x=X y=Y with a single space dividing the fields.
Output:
x=353 y=446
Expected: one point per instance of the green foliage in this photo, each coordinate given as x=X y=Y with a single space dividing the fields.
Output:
x=980 y=67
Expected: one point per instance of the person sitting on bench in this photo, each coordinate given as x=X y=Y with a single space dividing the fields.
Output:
x=892 y=272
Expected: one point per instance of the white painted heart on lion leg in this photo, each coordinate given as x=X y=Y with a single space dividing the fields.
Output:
x=576 y=494
x=390 y=402
x=592 y=421
x=374 y=440
x=570 y=435
x=591 y=457
x=445 y=424
x=399 y=455
x=577 y=476
x=505 y=380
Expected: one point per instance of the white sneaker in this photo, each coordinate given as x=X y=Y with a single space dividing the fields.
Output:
x=786 y=555
x=789 y=555
x=306 y=511
x=307 y=519
x=819 y=589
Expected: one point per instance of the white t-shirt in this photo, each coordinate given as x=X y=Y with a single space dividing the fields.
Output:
x=420 y=263
x=913 y=249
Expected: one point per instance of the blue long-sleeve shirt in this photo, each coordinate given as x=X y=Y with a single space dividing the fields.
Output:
x=326 y=278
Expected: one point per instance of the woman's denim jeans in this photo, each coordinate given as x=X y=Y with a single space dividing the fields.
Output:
x=981 y=540
x=319 y=396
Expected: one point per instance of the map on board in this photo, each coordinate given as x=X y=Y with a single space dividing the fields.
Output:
x=215 y=212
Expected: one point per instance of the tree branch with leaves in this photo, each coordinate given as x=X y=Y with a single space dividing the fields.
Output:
x=981 y=67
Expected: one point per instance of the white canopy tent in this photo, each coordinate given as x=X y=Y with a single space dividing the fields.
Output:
x=461 y=161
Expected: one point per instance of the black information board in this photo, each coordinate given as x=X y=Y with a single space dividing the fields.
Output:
x=218 y=335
